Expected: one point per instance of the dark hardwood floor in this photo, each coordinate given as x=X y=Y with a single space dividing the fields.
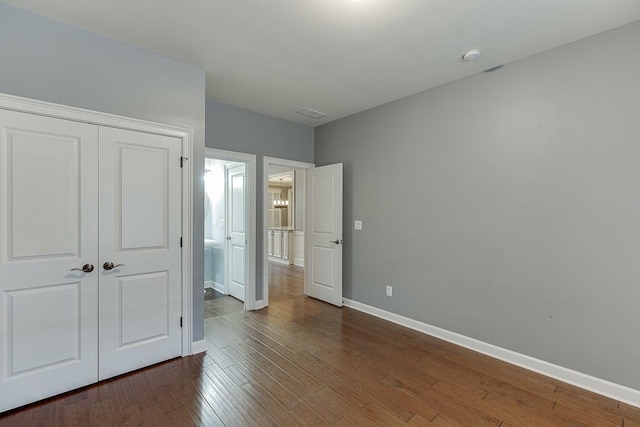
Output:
x=218 y=304
x=303 y=362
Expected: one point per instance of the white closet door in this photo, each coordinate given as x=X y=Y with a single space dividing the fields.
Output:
x=140 y=215
x=48 y=226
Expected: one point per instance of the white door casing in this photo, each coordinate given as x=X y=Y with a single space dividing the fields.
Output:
x=323 y=273
x=140 y=212
x=48 y=226
x=291 y=211
x=236 y=231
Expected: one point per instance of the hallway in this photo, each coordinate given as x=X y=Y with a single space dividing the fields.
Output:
x=285 y=282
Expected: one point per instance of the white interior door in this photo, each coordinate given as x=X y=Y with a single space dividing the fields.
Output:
x=140 y=215
x=323 y=275
x=236 y=231
x=48 y=228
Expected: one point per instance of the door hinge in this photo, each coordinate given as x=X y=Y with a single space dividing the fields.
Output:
x=182 y=160
x=181 y=242
x=181 y=321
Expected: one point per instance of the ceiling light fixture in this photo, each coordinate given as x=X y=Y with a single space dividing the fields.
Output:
x=280 y=203
x=471 y=55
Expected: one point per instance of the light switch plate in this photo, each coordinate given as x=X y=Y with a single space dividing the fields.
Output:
x=357 y=224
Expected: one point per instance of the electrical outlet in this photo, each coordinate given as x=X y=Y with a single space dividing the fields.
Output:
x=389 y=291
x=357 y=224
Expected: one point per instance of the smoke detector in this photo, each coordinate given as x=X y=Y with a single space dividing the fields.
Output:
x=471 y=55
x=312 y=113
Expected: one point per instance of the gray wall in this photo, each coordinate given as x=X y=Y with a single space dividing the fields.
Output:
x=235 y=129
x=518 y=219
x=44 y=59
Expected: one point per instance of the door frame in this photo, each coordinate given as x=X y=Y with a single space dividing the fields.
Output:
x=274 y=161
x=250 y=216
x=59 y=111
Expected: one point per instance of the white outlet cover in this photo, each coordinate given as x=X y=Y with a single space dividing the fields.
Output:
x=357 y=224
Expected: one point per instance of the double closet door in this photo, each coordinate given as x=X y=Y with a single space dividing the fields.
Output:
x=90 y=257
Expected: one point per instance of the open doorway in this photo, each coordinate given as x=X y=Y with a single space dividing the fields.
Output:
x=284 y=225
x=229 y=230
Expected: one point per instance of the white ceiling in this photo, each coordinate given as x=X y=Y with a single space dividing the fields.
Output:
x=340 y=57
x=281 y=181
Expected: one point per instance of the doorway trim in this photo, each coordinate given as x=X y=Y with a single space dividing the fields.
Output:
x=273 y=161
x=250 y=161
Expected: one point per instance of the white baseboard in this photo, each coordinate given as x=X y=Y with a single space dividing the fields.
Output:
x=606 y=388
x=257 y=305
x=215 y=285
x=299 y=262
x=198 y=347
x=279 y=260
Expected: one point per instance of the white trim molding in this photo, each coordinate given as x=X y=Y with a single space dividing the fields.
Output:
x=578 y=379
x=298 y=248
x=198 y=347
x=212 y=284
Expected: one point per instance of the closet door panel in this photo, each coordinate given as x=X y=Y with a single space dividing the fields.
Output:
x=140 y=223
x=143 y=176
x=48 y=226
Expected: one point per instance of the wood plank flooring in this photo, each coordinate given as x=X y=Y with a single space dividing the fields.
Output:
x=302 y=362
x=218 y=304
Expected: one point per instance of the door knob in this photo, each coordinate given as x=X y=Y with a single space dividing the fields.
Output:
x=337 y=242
x=87 y=268
x=109 y=265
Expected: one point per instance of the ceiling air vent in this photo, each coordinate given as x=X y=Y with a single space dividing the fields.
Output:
x=311 y=113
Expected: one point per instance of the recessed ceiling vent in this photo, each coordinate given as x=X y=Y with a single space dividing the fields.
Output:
x=311 y=113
